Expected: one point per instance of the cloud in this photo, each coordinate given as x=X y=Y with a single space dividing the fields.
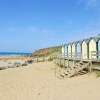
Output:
x=86 y=33
x=89 y=4
x=48 y=32
x=12 y=29
x=45 y=30
x=32 y=29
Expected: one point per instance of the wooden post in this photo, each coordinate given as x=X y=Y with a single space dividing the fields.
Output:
x=91 y=63
x=55 y=71
x=73 y=62
x=64 y=59
x=91 y=66
x=60 y=61
x=56 y=60
x=68 y=62
x=37 y=59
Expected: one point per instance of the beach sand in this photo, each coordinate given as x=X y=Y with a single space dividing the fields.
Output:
x=37 y=81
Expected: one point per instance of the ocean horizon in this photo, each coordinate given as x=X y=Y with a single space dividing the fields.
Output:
x=14 y=54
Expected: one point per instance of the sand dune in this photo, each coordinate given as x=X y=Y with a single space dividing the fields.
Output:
x=37 y=81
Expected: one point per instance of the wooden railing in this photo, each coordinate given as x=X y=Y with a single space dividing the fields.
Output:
x=67 y=56
x=95 y=55
x=70 y=55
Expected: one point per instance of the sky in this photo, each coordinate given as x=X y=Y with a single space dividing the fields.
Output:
x=29 y=25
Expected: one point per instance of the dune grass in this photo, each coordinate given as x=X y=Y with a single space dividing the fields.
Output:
x=97 y=72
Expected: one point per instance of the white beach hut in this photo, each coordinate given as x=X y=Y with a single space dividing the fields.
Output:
x=93 y=45
x=74 y=47
x=69 y=50
x=85 y=48
x=63 y=49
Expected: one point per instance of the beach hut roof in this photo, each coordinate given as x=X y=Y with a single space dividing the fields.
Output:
x=75 y=43
x=95 y=38
x=66 y=45
x=62 y=45
x=98 y=35
x=80 y=42
x=70 y=44
x=87 y=40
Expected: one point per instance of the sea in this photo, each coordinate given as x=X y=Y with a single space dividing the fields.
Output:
x=13 y=54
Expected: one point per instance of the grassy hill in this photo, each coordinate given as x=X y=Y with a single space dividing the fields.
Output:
x=47 y=51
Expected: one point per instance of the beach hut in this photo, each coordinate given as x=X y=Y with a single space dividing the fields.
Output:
x=66 y=49
x=85 y=48
x=93 y=45
x=79 y=49
x=74 y=47
x=98 y=47
x=63 y=49
x=69 y=49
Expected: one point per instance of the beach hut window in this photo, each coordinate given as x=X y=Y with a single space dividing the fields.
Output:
x=78 y=50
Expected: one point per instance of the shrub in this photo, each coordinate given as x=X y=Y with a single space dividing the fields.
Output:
x=50 y=59
x=97 y=72
x=61 y=66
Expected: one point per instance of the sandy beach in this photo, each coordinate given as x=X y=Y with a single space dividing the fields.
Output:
x=37 y=81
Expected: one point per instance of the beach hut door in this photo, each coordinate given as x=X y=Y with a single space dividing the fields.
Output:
x=99 y=47
x=65 y=50
x=78 y=50
x=62 y=51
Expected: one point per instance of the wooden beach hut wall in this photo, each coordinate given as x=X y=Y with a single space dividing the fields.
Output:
x=93 y=46
x=85 y=48
x=99 y=48
x=69 y=49
x=79 y=49
x=74 y=49
x=66 y=49
x=63 y=50
x=99 y=44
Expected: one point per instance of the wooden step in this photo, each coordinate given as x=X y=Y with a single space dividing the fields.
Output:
x=81 y=63
x=84 y=71
x=76 y=70
x=66 y=73
x=62 y=75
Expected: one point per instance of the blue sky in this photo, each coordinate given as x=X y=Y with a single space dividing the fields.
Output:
x=28 y=25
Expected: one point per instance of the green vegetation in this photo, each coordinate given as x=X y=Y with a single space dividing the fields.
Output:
x=61 y=66
x=37 y=60
x=47 y=51
x=97 y=72
x=50 y=59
